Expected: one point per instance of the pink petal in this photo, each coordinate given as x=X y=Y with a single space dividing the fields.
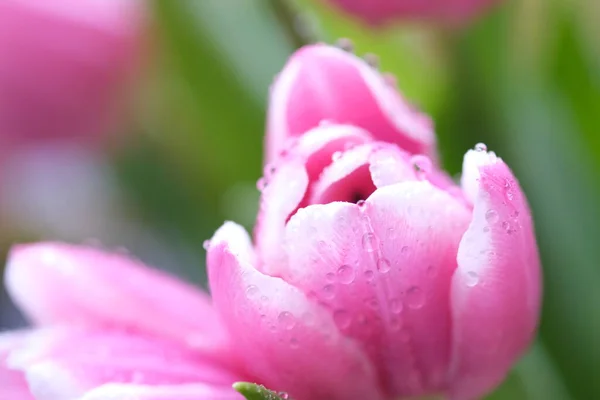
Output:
x=66 y=62
x=496 y=287
x=180 y=392
x=288 y=184
x=12 y=383
x=356 y=173
x=380 y=12
x=323 y=83
x=383 y=271
x=289 y=342
x=68 y=362
x=60 y=283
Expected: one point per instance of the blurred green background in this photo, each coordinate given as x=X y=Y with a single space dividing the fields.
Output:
x=524 y=79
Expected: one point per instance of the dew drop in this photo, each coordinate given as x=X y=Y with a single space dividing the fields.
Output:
x=346 y=45
x=286 y=320
x=480 y=147
x=369 y=275
x=252 y=291
x=346 y=274
x=269 y=170
x=383 y=265
x=330 y=277
x=206 y=244
x=360 y=203
x=415 y=298
x=342 y=319
x=404 y=249
x=369 y=242
x=261 y=184
x=396 y=306
x=492 y=216
x=329 y=292
x=472 y=279
x=264 y=300
x=422 y=166
x=506 y=226
x=486 y=229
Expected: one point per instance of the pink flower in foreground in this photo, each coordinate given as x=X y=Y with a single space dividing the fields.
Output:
x=378 y=12
x=373 y=276
x=108 y=328
x=63 y=64
x=321 y=84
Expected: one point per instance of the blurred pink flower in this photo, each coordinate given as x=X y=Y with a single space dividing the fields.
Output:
x=446 y=12
x=325 y=84
x=63 y=65
x=374 y=276
x=107 y=327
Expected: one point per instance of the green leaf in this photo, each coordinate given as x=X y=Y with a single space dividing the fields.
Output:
x=252 y=391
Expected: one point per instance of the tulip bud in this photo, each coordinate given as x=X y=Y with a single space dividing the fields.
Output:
x=323 y=84
x=380 y=12
x=62 y=66
x=374 y=276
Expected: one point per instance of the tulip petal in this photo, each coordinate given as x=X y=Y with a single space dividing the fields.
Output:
x=288 y=185
x=496 y=287
x=12 y=383
x=179 y=392
x=60 y=283
x=383 y=270
x=324 y=83
x=65 y=363
x=282 y=335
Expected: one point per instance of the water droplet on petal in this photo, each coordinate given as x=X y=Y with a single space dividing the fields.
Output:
x=330 y=277
x=360 y=203
x=346 y=45
x=342 y=319
x=480 y=147
x=396 y=306
x=472 y=279
x=261 y=184
x=422 y=166
x=415 y=298
x=492 y=216
x=383 y=265
x=346 y=274
x=369 y=275
x=369 y=242
x=294 y=344
x=329 y=292
x=252 y=291
x=404 y=249
x=206 y=244
x=286 y=320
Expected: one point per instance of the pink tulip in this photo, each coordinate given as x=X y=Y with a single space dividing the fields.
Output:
x=108 y=328
x=373 y=276
x=379 y=12
x=322 y=84
x=63 y=64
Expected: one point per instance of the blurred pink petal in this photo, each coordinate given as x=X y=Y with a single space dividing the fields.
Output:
x=66 y=363
x=12 y=383
x=446 y=12
x=57 y=283
x=285 y=338
x=64 y=66
x=497 y=283
x=325 y=84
